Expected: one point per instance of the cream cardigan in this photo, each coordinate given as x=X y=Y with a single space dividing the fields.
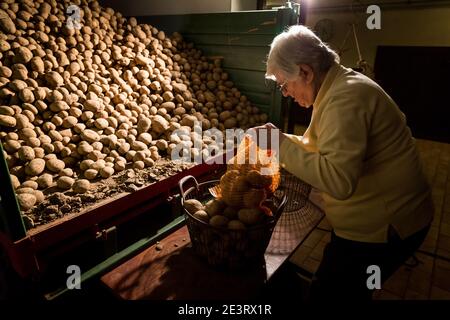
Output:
x=360 y=153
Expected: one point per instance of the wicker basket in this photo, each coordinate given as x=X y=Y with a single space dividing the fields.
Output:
x=222 y=247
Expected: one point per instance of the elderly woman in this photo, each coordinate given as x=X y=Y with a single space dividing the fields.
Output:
x=359 y=153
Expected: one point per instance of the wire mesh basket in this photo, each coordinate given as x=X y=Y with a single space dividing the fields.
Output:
x=223 y=247
x=296 y=191
x=298 y=217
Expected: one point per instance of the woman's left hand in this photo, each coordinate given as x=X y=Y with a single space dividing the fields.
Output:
x=267 y=135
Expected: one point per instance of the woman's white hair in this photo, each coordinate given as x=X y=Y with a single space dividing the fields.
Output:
x=298 y=45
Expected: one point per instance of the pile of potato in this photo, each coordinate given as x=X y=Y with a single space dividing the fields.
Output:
x=82 y=104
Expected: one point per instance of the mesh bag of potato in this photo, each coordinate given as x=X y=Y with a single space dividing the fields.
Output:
x=253 y=174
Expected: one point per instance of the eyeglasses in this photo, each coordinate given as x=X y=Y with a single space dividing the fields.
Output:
x=282 y=87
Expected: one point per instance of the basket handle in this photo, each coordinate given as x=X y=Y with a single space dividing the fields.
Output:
x=183 y=181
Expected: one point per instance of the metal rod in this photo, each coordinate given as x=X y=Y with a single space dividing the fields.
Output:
x=342 y=47
x=356 y=42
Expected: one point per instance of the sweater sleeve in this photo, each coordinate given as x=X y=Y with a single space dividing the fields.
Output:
x=294 y=138
x=341 y=143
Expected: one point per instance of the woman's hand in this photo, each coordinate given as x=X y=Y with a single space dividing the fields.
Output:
x=268 y=136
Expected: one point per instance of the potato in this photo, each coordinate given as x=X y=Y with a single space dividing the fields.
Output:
x=202 y=215
x=66 y=172
x=98 y=165
x=15 y=181
x=230 y=212
x=106 y=172
x=193 y=205
x=214 y=207
x=7 y=111
x=30 y=184
x=258 y=180
x=26 y=95
x=18 y=71
x=230 y=123
x=37 y=64
x=35 y=167
x=250 y=216
x=23 y=55
x=84 y=148
x=55 y=135
x=81 y=186
x=86 y=164
x=91 y=174
x=45 y=181
x=39 y=195
x=119 y=166
x=65 y=183
x=34 y=143
x=214 y=123
x=26 y=201
x=139 y=165
x=162 y=144
x=159 y=124
x=138 y=146
x=218 y=221
x=139 y=156
x=254 y=197
x=96 y=155
x=188 y=120
x=224 y=115
x=7 y=121
x=4 y=46
x=149 y=162
x=179 y=111
x=59 y=106
x=55 y=165
x=90 y=136
x=101 y=123
x=168 y=105
x=92 y=105
x=145 y=138
x=26 y=153
x=236 y=225
x=54 y=79
x=24 y=190
x=39 y=152
x=188 y=105
x=11 y=146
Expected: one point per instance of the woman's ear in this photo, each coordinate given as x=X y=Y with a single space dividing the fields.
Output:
x=306 y=72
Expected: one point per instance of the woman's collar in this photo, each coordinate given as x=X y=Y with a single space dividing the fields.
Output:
x=326 y=84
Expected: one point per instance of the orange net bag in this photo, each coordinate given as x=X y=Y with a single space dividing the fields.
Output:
x=252 y=176
x=260 y=166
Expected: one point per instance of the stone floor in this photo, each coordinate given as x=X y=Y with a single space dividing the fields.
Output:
x=430 y=279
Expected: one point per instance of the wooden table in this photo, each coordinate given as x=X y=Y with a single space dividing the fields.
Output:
x=171 y=270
